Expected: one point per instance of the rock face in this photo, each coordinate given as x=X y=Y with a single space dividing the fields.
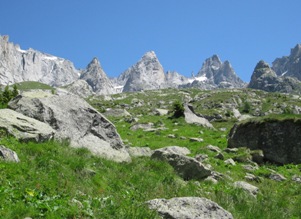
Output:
x=187 y=167
x=289 y=66
x=279 y=140
x=95 y=76
x=75 y=120
x=23 y=127
x=17 y=65
x=174 y=79
x=216 y=74
x=80 y=88
x=8 y=155
x=264 y=78
x=146 y=74
x=189 y=208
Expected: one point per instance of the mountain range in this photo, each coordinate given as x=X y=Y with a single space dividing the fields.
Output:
x=17 y=65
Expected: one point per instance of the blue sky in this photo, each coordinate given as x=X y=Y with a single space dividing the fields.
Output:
x=183 y=33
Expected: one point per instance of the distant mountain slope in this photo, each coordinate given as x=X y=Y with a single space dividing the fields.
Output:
x=289 y=65
x=17 y=65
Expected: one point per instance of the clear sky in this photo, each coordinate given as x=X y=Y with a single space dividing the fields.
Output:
x=183 y=33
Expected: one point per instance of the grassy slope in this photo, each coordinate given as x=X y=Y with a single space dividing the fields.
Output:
x=55 y=181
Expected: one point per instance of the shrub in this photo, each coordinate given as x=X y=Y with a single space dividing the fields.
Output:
x=178 y=109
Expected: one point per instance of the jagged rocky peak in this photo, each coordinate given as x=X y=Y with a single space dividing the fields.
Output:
x=289 y=65
x=17 y=65
x=216 y=73
x=146 y=74
x=95 y=76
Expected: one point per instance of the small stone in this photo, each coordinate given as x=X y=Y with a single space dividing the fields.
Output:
x=220 y=156
x=230 y=162
x=277 y=177
x=171 y=136
x=250 y=168
x=231 y=150
x=196 y=139
x=213 y=148
x=296 y=179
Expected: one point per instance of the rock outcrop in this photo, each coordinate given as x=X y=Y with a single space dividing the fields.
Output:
x=264 y=78
x=279 y=139
x=188 y=208
x=95 y=76
x=17 y=65
x=75 y=120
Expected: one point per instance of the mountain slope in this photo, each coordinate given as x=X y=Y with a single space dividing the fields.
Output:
x=289 y=65
x=17 y=65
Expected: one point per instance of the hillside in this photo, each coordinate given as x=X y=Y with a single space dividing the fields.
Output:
x=53 y=180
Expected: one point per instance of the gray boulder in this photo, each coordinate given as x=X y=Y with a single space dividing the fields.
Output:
x=279 y=139
x=140 y=151
x=175 y=150
x=252 y=190
x=187 y=167
x=24 y=128
x=73 y=119
x=188 y=208
x=192 y=118
x=7 y=154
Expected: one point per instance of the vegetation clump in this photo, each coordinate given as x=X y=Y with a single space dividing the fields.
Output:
x=178 y=109
x=7 y=94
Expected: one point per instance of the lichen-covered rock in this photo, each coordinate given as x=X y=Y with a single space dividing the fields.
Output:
x=73 y=119
x=7 y=154
x=23 y=127
x=187 y=167
x=279 y=139
x=189 y=208
x=252 y=190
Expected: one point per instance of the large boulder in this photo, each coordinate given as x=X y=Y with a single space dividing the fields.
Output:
x=73 y=119
x=189 y=208
x=279 y=139
x=192 y=118
x=187 y=167
x=24 y=128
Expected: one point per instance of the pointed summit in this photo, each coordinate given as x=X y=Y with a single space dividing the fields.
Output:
x=146 y=74
x=149 y=55
x=95 y=76
x=218 y=73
